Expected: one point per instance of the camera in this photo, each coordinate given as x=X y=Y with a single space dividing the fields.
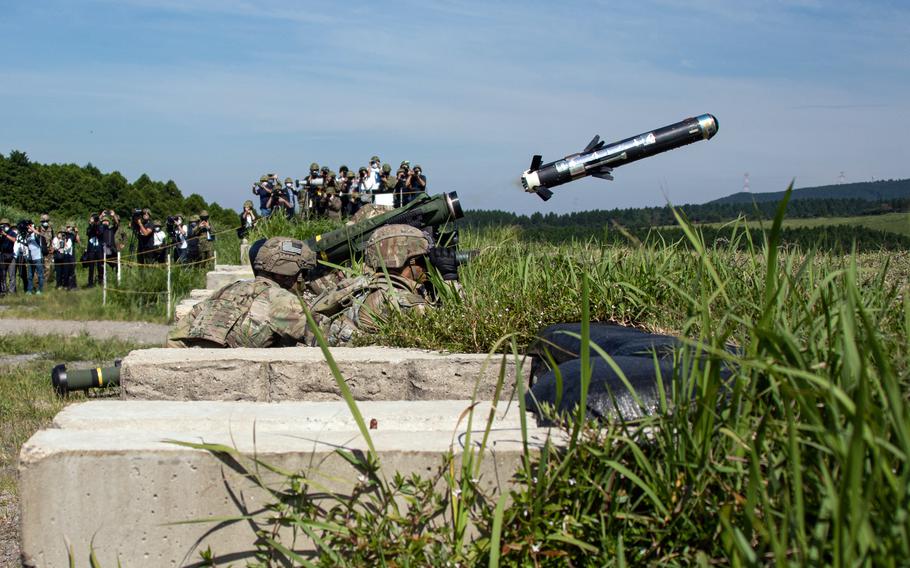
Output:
x=315 y=182
x=23 y=225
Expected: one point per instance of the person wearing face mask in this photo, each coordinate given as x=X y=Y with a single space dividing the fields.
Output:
x=46 y=230
x=158 y=241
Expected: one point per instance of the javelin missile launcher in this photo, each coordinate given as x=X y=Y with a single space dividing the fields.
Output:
x=599 y=159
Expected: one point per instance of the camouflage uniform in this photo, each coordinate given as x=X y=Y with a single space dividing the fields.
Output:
x=248 y=313
x=252 y=313
x=205 y=239
x=362 y=303
x=48 y=234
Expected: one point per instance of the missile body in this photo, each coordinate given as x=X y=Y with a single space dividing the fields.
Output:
x=599 y=159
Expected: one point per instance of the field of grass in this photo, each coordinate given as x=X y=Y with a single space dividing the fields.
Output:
x=801 y=456
x=892 y=222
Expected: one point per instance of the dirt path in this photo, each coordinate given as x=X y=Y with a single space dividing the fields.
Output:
x=138 y=332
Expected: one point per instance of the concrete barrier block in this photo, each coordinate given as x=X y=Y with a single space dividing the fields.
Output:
x=224 y=274
x=104 y=476
x=301 y=373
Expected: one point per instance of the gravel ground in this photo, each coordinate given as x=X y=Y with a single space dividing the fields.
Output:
x=9 y=531
x=139 y=332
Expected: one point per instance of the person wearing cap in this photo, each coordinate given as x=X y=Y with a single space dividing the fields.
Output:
x=376 y=170
x=312 y=187
x=205 y=238
x=262 y=312
x=264 y=190
x=46 y=230
x=350 y=197
x=415 y=184
x=247 y=220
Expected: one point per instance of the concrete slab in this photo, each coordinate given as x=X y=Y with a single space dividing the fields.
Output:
x=224 y=274
x=104 y=476
x=301 y=373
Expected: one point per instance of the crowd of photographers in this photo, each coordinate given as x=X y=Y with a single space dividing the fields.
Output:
x=325 y=193
x=35 y=255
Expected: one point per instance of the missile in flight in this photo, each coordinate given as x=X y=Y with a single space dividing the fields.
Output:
x=598 y=159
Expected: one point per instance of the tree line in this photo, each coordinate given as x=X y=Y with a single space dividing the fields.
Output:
x=69 y=191
x=648 y=217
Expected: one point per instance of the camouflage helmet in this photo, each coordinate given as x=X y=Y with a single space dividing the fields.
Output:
x=263 y=178
x=350 y=175
x=314 y=166
x=288 y=180
x=386 y=168
x=194 y=219
x=4 y=221
x=363 y=169
x=45 y=217
x=343 y=168
x=282 y=256
x=248 y=203
x=374 y=159
x=203 y=213
x=394 y=245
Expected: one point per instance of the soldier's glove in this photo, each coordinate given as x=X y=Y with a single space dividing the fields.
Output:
x=445 y=261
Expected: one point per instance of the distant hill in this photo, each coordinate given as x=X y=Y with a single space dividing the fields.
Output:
x=868 y=190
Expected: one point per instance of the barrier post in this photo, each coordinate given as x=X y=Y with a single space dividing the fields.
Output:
x=168 y=313
x=118 y=268
x=104 y=278
x=214 y=258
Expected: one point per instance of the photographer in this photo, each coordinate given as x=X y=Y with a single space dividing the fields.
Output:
x=192 y=241
x=7 y=268
x=64 y=258
x=293 y=196
x=264 y=190
x=312 y=186
x=281 y=201
x=35 y=245
x=159 y=250
x=176 y=231
x=416 y=184
x=247 y=220
x=47 y=233
x=91 y=258
x=400 y=188
x=142 y=228
x=205 y=238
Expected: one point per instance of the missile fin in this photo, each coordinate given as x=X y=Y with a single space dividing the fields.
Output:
x=535 y=163
x=595 y=144
x=603 y=173
x=544 y=193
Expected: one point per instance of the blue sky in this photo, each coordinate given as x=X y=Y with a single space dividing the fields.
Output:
x=213 y=93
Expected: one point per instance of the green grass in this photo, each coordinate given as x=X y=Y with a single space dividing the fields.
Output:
x=800 y=457
x=27 y=400
x=891 y=222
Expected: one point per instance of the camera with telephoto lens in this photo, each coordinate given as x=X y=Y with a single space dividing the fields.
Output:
x=135 y=217
x=22 y=226
x=172 y=227
x=312 y=183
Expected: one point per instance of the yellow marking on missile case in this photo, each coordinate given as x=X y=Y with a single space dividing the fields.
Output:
x=100 y=381
x=318 y=238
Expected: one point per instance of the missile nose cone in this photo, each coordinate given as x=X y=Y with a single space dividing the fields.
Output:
x=708 y=125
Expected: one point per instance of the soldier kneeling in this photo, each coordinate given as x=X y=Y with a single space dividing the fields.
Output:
x=251 y=313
